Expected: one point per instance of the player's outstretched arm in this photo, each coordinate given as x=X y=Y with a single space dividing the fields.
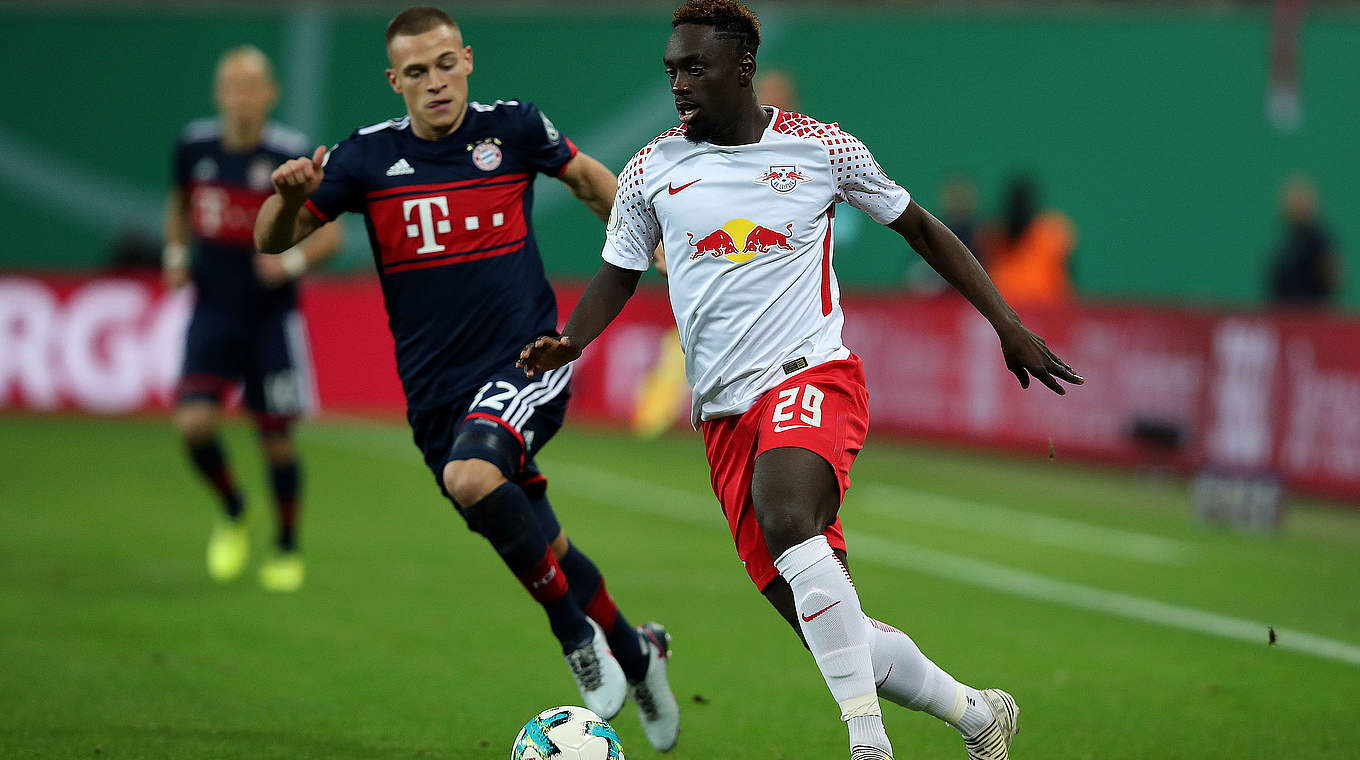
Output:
x=592 y=184
x=175 y=256
x=1026 y=353
x=608 y=291
x=283 y=220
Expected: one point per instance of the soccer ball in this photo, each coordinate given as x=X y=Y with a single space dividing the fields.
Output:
x=567 y=733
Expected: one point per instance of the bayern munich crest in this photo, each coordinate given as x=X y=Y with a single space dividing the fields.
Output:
x=486 y=155
x=782 y=178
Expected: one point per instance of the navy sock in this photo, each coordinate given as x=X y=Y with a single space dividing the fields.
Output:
x=286 y=480
x=212 y=465
x=506 y=519
x=587 y=586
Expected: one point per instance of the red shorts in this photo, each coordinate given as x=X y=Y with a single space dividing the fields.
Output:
x=824 y=410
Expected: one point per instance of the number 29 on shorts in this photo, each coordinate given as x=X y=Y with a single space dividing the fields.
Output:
x=809 y=412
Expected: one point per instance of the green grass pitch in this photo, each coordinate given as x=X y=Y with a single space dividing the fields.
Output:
x=1123 y=628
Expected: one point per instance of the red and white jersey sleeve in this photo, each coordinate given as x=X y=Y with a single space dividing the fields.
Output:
x=860 y=181
x=747 y=234
x=633 y=231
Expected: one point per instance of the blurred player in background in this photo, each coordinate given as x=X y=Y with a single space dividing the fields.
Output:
x=246 y=327
x=446 y=192
x=664 y=390
x=781 y=400
x=1304 y=270
x=958 y=211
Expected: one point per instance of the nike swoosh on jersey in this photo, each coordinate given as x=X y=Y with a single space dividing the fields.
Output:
x=813 y=616
x=673 y=189
x=782 y=428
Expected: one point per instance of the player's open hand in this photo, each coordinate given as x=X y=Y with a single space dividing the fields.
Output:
x=547 y=353
x=1027 y=354
x=298 y=178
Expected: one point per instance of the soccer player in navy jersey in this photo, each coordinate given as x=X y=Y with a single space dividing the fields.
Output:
x=245 y=326
x=446 y=192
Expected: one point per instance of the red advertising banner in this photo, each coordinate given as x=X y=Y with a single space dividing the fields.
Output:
x=115 y=344
x=1244 y=392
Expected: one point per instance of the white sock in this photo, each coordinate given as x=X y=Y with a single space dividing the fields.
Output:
x=834 y=627
x=907 y=677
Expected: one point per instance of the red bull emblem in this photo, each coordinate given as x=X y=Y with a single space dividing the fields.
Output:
x=716 y=243
x=782 y=178
x=755 y=239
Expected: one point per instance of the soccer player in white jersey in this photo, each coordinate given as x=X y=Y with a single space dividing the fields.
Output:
x=743 y=198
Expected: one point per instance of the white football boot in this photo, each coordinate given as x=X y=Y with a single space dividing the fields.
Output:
x=994 y=741
x=598 y=675
x=865 y=752
x=657 y=708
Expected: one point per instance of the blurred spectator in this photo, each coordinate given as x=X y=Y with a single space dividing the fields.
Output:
x=1030 y=254
x=958 y=211
x=777 y=88
x=1304 y=269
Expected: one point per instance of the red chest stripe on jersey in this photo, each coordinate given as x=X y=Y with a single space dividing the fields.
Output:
x=225 y=213
x=826 y=263
x=500 y=179
x=453 y=226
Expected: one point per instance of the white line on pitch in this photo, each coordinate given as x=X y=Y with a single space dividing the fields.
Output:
x=686 y=506
x=925 y=508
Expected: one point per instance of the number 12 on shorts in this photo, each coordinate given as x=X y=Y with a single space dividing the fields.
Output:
x=810 y=414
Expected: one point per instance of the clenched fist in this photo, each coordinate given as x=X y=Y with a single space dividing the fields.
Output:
x=547 y=353
x=297 y=179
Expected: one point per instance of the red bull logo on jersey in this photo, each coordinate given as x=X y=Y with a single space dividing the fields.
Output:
x=741 y=240
x=782 y=178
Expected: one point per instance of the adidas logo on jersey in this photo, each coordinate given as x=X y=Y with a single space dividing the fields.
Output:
x=400 y=168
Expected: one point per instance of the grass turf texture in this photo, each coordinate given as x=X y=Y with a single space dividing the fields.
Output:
x=410 y=640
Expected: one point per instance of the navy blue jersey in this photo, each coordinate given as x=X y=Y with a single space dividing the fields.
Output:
x=225 y=191
x=449 y=224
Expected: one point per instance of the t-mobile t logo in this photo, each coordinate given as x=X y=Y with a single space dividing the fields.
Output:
x=545 y=580
x=426 y=226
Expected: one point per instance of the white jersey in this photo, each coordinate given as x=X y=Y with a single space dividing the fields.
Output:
x=747 y=233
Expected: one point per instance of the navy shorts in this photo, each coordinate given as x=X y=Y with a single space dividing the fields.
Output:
x=269 y=355
x=504 y=421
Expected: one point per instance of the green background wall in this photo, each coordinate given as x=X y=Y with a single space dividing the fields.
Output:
x=1147 y=128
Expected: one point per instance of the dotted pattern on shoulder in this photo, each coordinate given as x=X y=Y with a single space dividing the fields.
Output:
x=630 y=200
x=858 y=177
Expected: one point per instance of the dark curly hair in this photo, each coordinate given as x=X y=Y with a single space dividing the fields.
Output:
x=729 y=18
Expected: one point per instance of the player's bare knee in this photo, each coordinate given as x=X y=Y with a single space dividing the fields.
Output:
x=196 y=422
x=560 y=545
x=795 y=496
x=468 y=481
x=785 y=525
x=278 y=447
